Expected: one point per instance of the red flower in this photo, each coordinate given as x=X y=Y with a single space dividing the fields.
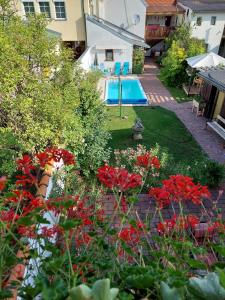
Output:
x=166 y=226
x=20 y=195
x=118 y=178
x=183 y=188
x=161 y=196
x=2 y=182
x=193 y=221
x=58 y=154
x=179 y=188
x=8 y=216
x=43 y=158
x=147 y=161
x=50 y=232
x=25 y=164
x=129 y=235
x=28 y=231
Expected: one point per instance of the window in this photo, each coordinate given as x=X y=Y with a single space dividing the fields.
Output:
x=213 y=20
x=45 y=9
x=199 y=21
x=109 y=55
x=60 y=10
x=28 y=8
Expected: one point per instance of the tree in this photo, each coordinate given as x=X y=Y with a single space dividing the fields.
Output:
x=40 y=91
x=180 y=46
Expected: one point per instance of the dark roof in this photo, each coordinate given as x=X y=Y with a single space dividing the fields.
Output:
x=204 y=5
x=216 y=78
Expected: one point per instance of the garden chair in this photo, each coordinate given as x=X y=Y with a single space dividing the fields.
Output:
x=125 y=68
x=117 y=68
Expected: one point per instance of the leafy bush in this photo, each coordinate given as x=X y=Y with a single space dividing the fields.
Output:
x=138 y=60
x=180 y=46
x=207 y=172
x=42 y=108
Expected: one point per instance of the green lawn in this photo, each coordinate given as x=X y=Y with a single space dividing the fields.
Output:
x=161 y=126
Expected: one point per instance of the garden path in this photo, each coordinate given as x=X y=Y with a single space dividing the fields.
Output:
x=212 y=144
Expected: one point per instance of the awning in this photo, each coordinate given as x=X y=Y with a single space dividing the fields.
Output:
x=206 y=61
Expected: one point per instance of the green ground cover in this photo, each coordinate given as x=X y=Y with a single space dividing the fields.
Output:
x=161 y=127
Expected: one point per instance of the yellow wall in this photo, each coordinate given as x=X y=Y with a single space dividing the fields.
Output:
x=219 y=104
x=71 y=29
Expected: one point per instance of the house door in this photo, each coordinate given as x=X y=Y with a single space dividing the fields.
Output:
x=168 y=21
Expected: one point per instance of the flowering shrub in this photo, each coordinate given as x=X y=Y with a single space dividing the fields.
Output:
x=105 y=231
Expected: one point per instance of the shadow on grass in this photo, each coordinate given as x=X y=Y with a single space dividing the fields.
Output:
x=162 y=127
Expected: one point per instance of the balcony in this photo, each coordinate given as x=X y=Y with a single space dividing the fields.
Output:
x=157 y=32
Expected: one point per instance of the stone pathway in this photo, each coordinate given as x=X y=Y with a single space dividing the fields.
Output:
x=209 y=141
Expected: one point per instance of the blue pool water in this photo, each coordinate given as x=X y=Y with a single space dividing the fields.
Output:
x=132 y=92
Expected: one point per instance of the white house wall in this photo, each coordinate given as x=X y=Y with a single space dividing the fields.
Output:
x=122 y=12
x=211 y=34
x=102 y=39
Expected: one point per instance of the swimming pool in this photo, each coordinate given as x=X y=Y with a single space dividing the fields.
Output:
x=132 y=92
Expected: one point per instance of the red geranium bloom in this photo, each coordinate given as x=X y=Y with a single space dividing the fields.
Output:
x=179 y=188
x=118 y=178
x=131 y=234
x=193 y=220
x=182 y=187
x=166 y=226
x=2 y=182
x=147 y=161
x=28 y=231
x=25 y=164
x=43 y=158
x=58 y=154
x=161 y=196
x=8 y=216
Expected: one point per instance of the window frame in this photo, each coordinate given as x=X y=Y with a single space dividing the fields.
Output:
x=197 y=21
x=48 y=14
x=29 y=5
x=213 y=20
x=106 y=54
x=64 y=4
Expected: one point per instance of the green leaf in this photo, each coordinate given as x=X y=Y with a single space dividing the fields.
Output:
x=81 y=292
x=206 y=288
x=169 y=293
x=25 y=221
x=196 y=264
x=220 y=249
x=143 y=281
x=221 y=276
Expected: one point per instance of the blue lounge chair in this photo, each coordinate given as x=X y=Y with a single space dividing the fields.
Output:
x=117 y=68
x=125 y=68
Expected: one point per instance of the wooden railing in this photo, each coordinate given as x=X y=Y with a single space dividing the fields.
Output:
x=157 y=32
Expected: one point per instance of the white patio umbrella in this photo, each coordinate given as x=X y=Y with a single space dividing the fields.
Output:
x=207 y=60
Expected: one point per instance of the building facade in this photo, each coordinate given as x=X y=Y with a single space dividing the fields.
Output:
x=66 y=17
x=162 y=18
x=207 y=19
